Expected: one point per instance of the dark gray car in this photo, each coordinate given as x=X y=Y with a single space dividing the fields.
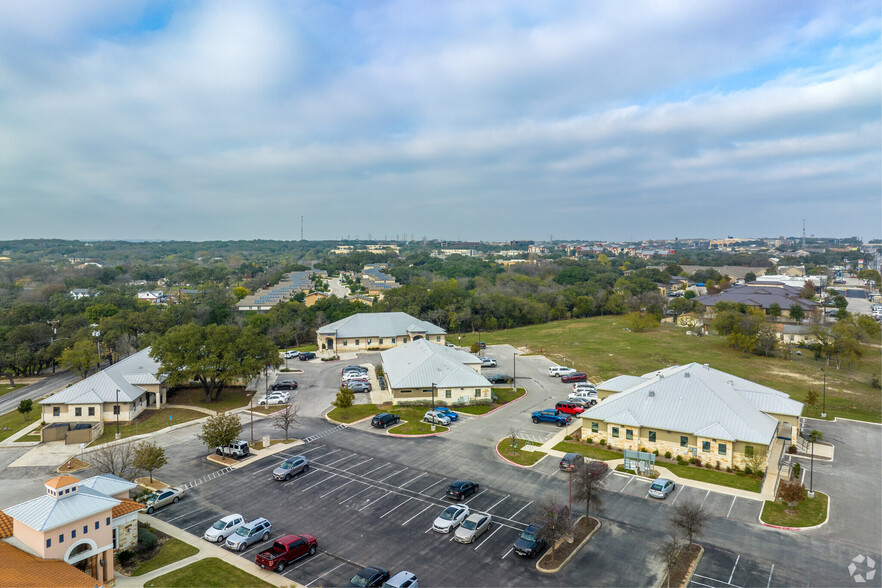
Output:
x=359 y=386
x=291 y=467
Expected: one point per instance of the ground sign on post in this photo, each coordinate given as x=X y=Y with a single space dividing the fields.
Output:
x=640 y=462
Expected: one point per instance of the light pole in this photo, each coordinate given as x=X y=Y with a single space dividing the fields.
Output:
x=824 y=409
x=251 y=412
x=433 y=395
x=811 y=492
x=116 y=410
x=514 y=373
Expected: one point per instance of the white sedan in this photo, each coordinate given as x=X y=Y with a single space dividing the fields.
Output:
x=450 y=518
x=274 y=398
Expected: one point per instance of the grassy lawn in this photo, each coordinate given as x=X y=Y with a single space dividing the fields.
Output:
x=355 y=413
x=602 y=348
x=302 y=348
x=417 y=427
x=147 y=422
x=230 y=398
x=13 y=422
x=520 y=457
x=592 y=451
x=171 y=551
x=504 y=395
x=733 y=480
x=809 y=512
x=210 y=572
x=6 y=388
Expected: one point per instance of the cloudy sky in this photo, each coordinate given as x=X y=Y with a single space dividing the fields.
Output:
x=463 y=119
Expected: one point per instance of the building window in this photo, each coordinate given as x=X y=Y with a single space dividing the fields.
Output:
x=48 y=543
x=405 y=392
x=96 y=525
x=393 y=340
x=73 y=533
x=61 y=538
x=85 y=529
x=356 y=341
x=108 y=521
x=748 y=451
x=684 y=441
x=595 y=427
x=705 y=446
x=115 y=544
x=78 y=411
x=116 y=409
x=652 y=436
x=381 y=340
x=447 y=394
x=629 y=434
x=477 y=392
x=91 y=411
x=616 y=432
x=438 y=338
x=721 y=448
x=56 y=411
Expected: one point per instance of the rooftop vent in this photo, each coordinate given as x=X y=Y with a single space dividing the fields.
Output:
x=707 y=366
x=686 y=375
x=652 y=393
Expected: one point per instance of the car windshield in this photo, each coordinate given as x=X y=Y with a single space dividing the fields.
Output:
x=449 y=513
x=243 y=531
x=219 y=525
x=286 y=465
x=358 y=580
x=528 y=536
x=470 y=525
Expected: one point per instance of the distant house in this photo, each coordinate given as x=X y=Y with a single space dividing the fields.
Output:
x=377 y=330
x=78 y=293
x=314 y=297
x=761 y=296
x=422 y=370
x=151 y=296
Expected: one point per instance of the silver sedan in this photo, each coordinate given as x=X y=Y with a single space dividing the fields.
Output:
x=472 y=528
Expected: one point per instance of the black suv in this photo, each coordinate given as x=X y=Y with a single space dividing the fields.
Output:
x=285 y=385
x=499 y=379
x=571 y=461
x=529 y=544
x=384 y=419
x=306 y=355
x=461 y=488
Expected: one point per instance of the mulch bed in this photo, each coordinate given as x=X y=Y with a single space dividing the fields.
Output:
x=688 y=553
x=73 y=465
x=563 y=551
x=139 y=556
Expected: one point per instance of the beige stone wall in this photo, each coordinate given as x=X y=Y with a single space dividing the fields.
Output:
x=373 y=342
x=68 y=413
x=793 y=421
x=126 y=531
x=425 y=394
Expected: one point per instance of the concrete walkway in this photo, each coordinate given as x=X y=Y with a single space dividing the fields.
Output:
x=206 y=550
x=12 y=440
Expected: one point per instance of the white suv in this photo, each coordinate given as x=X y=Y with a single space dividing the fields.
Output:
x=559 y=370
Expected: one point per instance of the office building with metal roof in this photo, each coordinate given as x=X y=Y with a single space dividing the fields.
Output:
x=376 y=330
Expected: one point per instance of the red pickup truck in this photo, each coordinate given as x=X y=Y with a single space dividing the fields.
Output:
x=286 y=550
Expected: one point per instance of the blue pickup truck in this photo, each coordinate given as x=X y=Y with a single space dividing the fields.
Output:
x=551 y=416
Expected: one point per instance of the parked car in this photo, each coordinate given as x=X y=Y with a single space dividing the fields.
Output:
x=403 y=579
x=661 y=488
x=250 y=533
x=569 y=407
x=571 y=461
x=448 y=344
x=291 y=467
x=488 y=362
x=237 y=449
x=384 y=419
x=482 y=345
x=352 y=375
x=291 y=354
x=530 y=544
x=285 y=550
x=499 y=379
x=353 y=368
x=285 y=385
x=447 y=412
x=597 y=468
x=559 y=370
x=450 y=518
x=274 y=398
x=369 y=577
x=584 y=395
x=574 y=377
x=162 y=498
x=550 y=415
x=306 y=355
x=584 y=386
x=359 y=386
x=218 y=532
x=436 y=418
x=462 y=488
x=472 y=528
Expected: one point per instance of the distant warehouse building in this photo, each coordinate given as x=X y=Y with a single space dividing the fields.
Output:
x=693 y=411
x=377 y=330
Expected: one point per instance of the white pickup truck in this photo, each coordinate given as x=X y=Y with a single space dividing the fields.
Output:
x=584 y=395
x=559 y=370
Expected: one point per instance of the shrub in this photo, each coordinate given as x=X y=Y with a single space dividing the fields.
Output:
x=589 y=439
x=747 y=470
x=709 y=466
x=655 y=452
x=792 y=449
x=125 y=556
x=735 y=467
x=568 y=438
x=603 y=441
x=693 y=460
x=697 y=462
x=146 y=539
x=642 y=450
x=875 y=383
x=679 y=458
x=758 y=473
x=728 y=469
x=718 y=465
x=668 y=455
x=797 y=469
x=792 y=492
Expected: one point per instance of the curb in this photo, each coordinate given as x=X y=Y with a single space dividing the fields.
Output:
x=399 y=435
x=574 y=552
x=782 y=528
x=503 y=406
x=691 y=572
x=517 y=465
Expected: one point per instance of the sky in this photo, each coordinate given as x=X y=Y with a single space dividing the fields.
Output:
x=462 y=120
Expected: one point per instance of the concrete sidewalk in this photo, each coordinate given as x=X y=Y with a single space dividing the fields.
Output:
x=206 y=550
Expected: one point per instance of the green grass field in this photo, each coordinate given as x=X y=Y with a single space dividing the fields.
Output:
x=171 y=551
x=732 y=480
x=231 y=397
x=210 y=572
x=591 y=451
x=601 y=347
x=6 y=388
x=417 y=427
x=149 y=421
x=354 y=413
x=808 y=513
x=519 y=456
x=13 y=422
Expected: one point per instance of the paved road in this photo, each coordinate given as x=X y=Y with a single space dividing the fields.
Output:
x=54 y=383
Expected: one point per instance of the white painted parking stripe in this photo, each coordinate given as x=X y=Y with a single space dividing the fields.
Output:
x=427 y=487
x=478 y=493
x=392 y=474
x=373 y=501
x=702 y=501
x=730 y=506
x=319 y=482
x=510 y=549
x=769 y=583
x=412 y=480
x=417 y=514
x=327 y=454
x=488 y=537
x=375 y=469
x=313 y=558
x=354 y=495
x=519 y=511
x=697 y=583
x=326 y=573
x=356 y=465
x=497 y=504
x=626 y=484
x=678 y=495
x=732 y=575
x=339 y=460
x=299 y=476
x=337 y=488
x=214 y=518
x=402 y=504
x=186 y=513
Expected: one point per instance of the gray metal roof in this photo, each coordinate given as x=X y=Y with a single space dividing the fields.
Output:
x=48 y=512
x=763 y=296
x=379 y=324
x=620 y=383
x=697 y=399
x=108 y=484
x=138 y=368
x=421 y=363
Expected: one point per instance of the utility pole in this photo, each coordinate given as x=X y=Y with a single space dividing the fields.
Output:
x=301 y=227
x=824 y=409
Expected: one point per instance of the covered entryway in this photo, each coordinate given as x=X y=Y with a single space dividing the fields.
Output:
x=329 y=343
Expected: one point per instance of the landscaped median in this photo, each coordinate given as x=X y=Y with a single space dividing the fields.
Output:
x=563 y=552
x=210 y=572
x=808 y=513
x=516 y=455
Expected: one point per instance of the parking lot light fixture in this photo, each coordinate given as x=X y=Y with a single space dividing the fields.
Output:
x=433 y=395
x=251 y=397
x=824 y=401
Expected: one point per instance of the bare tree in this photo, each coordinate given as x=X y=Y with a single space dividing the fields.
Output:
x=556 y=520
x=115 y=458
x=513 y=440
x=689 y=519
x=589 y=487
x=286 y=418
x=669 y=552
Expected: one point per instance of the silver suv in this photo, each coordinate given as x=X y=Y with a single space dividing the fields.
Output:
x=250 y=533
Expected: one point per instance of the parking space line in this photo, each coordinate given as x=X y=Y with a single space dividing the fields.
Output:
x=519 y=512
x=488 y=537
x=356 y=465
x=392 y=474
x=299 y=476
x=478 y=493
x=417 y=514
x=326 y=573
x=678 y=495
x=373 y=501
x=497 y=504
x=375 y=469
x=412 y=480
x=319 y=482
x=187 y=513
x=327 y=454
x=354 y=495
x=705 y=498
x=427 y=487
x=341 y=459
x=730 y=506
x=510 y=549
x=313 y=558
x=200 y=522
x=337 y=488
x=313 y=449
x=732 y=575
x=402 y=504
x=626 y=484
x=769 y=583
